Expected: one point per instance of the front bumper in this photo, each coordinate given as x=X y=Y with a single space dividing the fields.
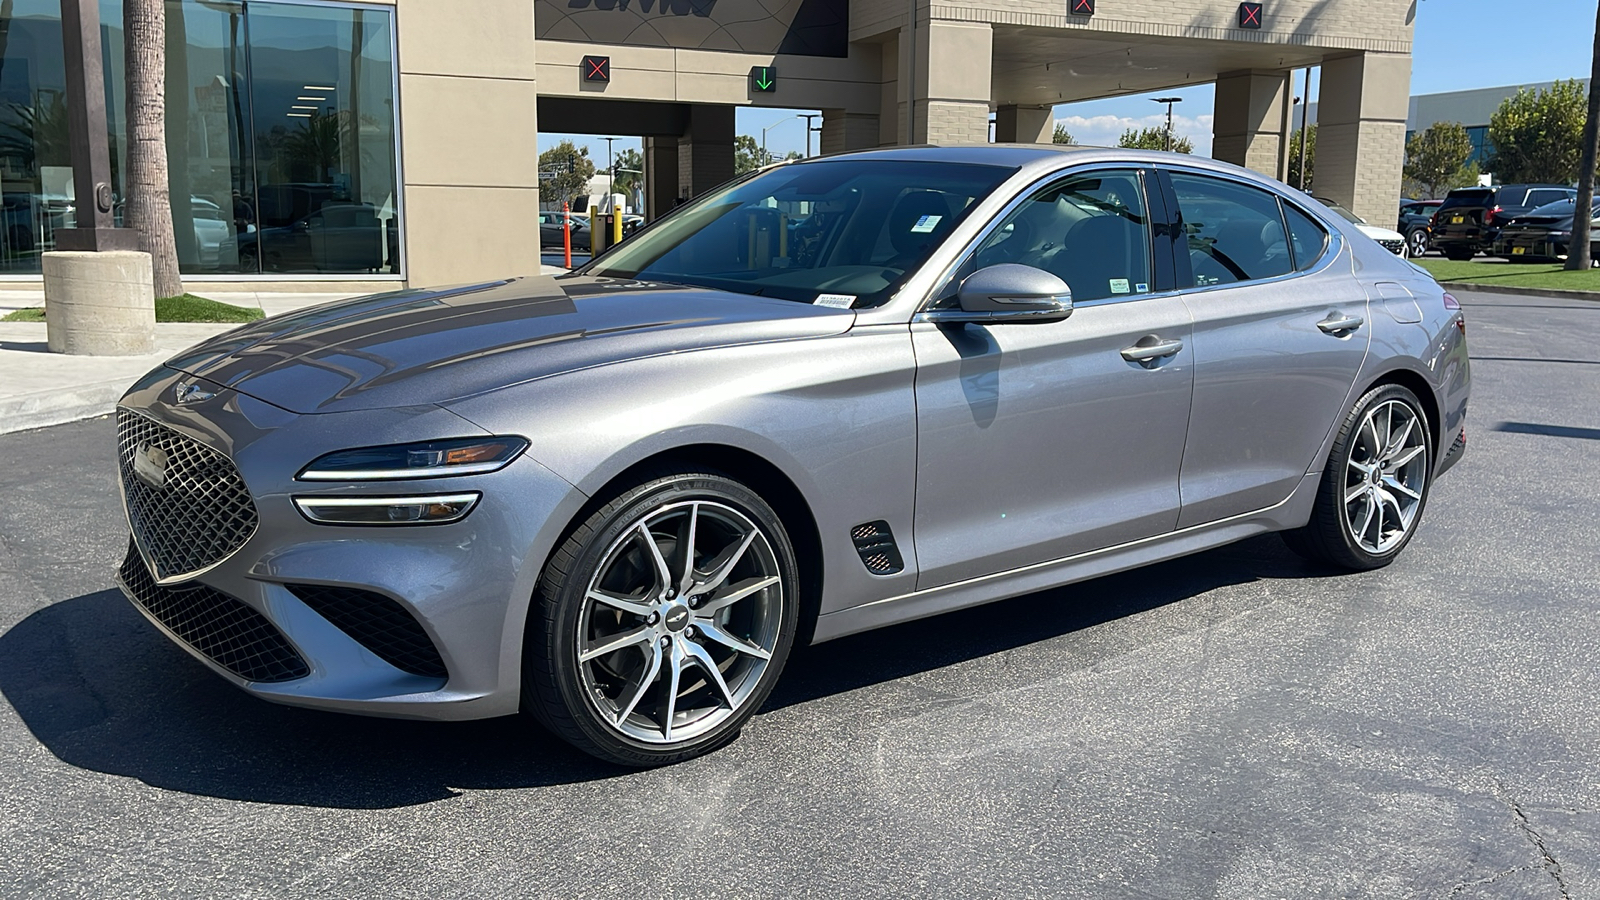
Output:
x=465 y=585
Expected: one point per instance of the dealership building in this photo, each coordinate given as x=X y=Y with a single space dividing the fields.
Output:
x=382 y=143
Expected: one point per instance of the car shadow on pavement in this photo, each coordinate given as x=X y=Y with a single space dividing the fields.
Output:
x=103 y=691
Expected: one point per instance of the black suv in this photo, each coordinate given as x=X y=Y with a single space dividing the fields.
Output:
x=1469 y=219
x=1416 y=223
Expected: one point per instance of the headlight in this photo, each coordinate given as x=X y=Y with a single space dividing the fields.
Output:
x=436 y=510
x=432 y=459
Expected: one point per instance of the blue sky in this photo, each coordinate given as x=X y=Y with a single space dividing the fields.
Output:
x=1504 y=41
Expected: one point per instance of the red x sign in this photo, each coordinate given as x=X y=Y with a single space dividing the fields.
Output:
x=597 y=68
x=1083 y=7
x=1249 y=15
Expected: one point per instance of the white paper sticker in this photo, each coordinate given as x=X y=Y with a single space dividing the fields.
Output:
x=1141 y=288
x=1119 y=285
x=926 y=224
x=834 y=301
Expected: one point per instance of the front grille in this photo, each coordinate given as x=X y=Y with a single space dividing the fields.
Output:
x=378 y=623
x=228 y=632
x=199 y=515
x=1395 y=247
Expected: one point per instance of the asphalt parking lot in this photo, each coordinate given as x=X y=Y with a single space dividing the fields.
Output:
x=1238 y=724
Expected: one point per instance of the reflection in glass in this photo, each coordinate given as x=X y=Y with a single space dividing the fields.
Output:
x=35 y=170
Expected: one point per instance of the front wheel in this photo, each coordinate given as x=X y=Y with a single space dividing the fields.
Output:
x=1375 y=485
x=1417 y=242
x=663 y=621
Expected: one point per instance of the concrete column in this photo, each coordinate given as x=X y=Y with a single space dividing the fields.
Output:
x=891 y=106
x=464 y=75
x=1361 y=132
x=99 y=304
x=705 y=152
x=1247 y=129
x=949 y=70
x=1024 y=125
x=660 y=176
x=842 y=131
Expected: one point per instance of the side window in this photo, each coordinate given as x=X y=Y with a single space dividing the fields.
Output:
x=1235 y=232
x=1540 y=198
x=1305 y=236
x=1092 y=230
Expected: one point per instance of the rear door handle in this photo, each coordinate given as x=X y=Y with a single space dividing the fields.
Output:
x=1151 y=348
x=1339 y=326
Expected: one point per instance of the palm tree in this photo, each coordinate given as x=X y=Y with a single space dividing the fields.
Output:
x=144 y=24
x=1578 y=250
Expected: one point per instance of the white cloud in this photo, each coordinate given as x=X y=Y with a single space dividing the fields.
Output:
x=1103 y=131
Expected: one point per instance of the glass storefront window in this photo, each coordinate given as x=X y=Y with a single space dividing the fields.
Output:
x=281 y=138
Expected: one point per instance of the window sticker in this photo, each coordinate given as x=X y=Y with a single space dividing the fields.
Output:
x=1119 y=285
x=834 y=301
x=1141 y=288
x=926 y=224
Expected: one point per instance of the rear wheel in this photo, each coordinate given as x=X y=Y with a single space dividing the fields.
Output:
x=663 y=621
x=1375 y=485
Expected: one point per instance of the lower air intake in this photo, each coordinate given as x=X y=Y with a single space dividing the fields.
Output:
x=228 y=632
x=879 y=553
x=377 y=623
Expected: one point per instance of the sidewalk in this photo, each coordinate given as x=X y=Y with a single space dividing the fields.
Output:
x=40 y=388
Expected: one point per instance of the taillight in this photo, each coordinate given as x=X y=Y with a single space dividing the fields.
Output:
x=1451 y=302
x=1433 y=221
x=1488 y=217
x=1454 y=305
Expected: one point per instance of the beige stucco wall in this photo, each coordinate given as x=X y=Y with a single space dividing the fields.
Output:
x=469 y=139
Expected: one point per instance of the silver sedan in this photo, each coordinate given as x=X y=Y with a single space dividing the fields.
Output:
x=827 y=397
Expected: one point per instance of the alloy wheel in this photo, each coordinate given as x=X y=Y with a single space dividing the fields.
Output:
x=1419 y=242
x=1385 y=476
x=679 y=621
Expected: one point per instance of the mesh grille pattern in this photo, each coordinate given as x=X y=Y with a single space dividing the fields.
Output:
x=879 y=553
x=232 y=634
x=200 y=515
x=1395 y=247
x=378 y=623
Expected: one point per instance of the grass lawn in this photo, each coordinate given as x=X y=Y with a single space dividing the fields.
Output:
x=183 y=308
x=1549 y=276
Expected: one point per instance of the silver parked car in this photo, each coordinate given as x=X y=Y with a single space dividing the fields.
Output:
x=827 y=397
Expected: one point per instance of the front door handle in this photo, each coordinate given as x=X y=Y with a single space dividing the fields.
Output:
x=1151 y=348
x=1339 y=326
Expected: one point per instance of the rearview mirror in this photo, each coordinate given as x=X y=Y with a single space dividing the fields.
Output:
x=1011 y=293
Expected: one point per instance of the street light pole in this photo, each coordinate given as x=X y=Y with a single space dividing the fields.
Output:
x=766 y=158
x=611 y=170
x=808 y=117
x=1168 y=101
x=1305 y=111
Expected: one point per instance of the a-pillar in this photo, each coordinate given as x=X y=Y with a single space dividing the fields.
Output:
x=1361 y=132
x=1250 y=122
x=705 y=152
x=944 y=67
x=843 y=130
x=1024 y=125
x=660 y=176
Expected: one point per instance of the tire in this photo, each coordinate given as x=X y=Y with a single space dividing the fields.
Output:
x=1417 y=242
x=607 y=633
x=1354 y=505
x=1459 y=255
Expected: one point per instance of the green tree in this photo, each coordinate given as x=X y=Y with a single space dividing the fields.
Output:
x=1310 y=136
x=1154 y=139
x=629 y=173
x=747 y=154
x=1436 y=158
x=1538 y=135
x=1062 y=135
x=564 y=171
x=149 y=208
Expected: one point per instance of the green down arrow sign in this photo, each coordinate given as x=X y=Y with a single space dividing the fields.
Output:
x=763 y=79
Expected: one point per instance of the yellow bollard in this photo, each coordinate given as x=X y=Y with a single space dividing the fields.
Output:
x=616 y=225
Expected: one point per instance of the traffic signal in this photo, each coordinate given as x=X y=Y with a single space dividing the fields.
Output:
x=1250 y=15
x=597 y=68
x=763 y=79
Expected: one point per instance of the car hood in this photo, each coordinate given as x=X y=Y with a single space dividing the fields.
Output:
x=1380 y=234
x=420 y=347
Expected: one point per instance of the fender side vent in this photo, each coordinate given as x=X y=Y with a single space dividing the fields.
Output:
x=875 y=542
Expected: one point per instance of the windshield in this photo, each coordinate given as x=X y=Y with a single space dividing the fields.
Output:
x=1473 y=197
x=845 y=232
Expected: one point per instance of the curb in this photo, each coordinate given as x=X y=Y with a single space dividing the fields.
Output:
x=1525 y=292
x=45 y=408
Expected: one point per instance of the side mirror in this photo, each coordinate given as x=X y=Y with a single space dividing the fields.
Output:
x=1011 y=293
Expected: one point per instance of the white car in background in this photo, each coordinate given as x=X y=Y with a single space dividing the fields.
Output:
x=1392 y=241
